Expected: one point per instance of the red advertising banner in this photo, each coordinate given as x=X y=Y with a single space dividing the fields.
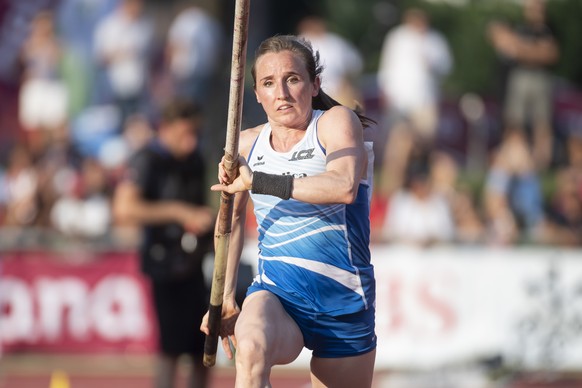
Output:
x=74 y=302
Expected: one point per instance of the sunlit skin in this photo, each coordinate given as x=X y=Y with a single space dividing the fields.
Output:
x=285 y=91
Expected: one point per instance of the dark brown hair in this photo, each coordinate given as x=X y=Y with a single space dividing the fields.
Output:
x=180 y=110
x=310 y=57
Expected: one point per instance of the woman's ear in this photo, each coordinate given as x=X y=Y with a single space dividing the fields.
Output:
x=257 y=96
x=316 y=86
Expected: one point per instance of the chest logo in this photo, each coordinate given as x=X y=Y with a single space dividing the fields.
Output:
x=302 y=155
x=260 y=162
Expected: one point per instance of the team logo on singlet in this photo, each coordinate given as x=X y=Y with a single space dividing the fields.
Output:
x=260 y=161
x=302 y=155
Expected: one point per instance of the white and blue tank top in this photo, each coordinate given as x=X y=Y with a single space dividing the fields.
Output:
x=315 y=255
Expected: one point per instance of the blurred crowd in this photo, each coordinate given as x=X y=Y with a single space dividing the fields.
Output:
x=428 y=199
x=94 y=75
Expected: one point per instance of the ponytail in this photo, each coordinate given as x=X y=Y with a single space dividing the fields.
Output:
x=324 y=102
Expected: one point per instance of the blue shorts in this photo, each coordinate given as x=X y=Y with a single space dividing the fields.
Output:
x=331 y=336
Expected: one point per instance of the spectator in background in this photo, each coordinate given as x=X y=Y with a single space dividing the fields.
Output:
x=444 y=176
x=137 y=132
x=84 y=209
x=43 y=105
x=529 y=50
x=565 y=203
x=56 y=165
x=565 y=208
x=21 y=188
x=115 y=151
x=414 y=60
x=165 y=192
x=123 y=43
x=418 y=214
x=342 y=63
x=470 y=228
x=76 y=21
x=513 y=198
x=193 y=53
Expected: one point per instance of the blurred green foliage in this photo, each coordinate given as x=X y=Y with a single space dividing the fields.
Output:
x=366 y=22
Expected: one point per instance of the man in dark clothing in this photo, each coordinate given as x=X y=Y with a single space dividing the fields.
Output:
x=165 y=192
x=529 y=50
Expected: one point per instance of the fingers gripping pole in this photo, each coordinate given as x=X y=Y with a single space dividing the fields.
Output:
x=235 y=102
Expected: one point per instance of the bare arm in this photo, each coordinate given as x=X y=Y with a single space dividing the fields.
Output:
x=236 y=244
x=542 y=51
x=341 y=134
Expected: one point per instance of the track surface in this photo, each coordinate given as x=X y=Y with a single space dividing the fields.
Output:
x=122 y=371
x=51 y=371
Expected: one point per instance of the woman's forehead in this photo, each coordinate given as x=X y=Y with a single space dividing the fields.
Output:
x=280 y=60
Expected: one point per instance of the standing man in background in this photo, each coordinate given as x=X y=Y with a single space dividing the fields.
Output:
x=529 y=50
x=414 y=60
x=165 y=193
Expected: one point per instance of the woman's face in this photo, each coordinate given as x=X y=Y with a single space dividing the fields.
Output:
x=284 y=89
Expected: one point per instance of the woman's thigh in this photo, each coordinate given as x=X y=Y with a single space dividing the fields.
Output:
x=266 y=325
x=345 y=372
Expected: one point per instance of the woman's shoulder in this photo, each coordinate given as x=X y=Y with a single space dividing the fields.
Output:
x=338 y=114
x=247 y=139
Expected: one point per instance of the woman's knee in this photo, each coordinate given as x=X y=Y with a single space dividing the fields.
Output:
x=251 y=356
x=249 y=346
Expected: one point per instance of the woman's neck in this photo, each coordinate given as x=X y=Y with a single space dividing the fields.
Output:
x=284 y=138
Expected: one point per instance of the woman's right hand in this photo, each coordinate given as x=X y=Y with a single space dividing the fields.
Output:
x=242 y=182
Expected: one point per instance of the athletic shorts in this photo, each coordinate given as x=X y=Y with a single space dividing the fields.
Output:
x=331 y=336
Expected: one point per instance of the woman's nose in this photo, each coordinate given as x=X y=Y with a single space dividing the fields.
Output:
x=282 y=91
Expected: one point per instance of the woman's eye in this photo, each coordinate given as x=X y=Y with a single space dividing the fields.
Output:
x=267 y=83
x=293 y=80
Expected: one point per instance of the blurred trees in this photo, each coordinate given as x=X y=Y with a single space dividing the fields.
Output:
x=366 y=22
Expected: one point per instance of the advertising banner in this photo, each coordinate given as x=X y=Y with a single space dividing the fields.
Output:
x=434 y=307
x=74 y=302
x=443 y=306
